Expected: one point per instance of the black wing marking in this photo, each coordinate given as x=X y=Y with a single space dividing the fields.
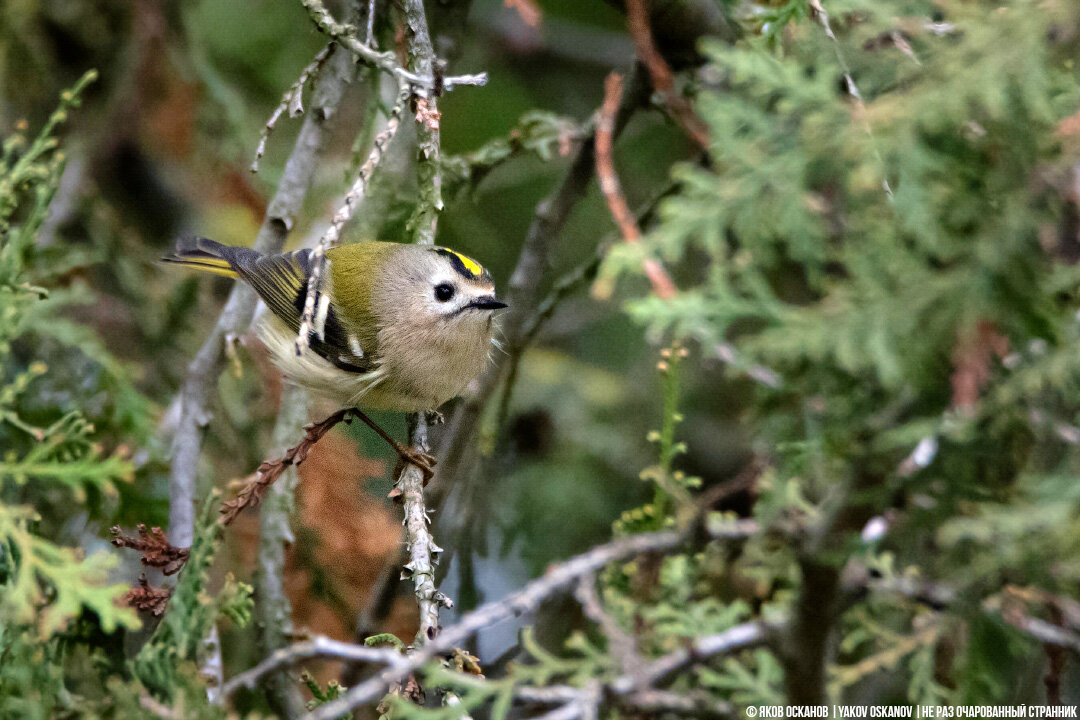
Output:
x=281 y=281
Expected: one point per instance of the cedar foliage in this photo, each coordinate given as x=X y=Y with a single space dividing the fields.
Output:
x=61 y=614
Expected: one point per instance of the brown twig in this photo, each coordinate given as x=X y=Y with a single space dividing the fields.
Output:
x=156 y=550
x=251 y=493
x=609 y=185
x=1055 y=663
x=663 y=80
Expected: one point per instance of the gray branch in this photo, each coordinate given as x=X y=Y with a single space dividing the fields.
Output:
x=275 y=533
x=527 y=599
x=318 y=646
x=203 y=371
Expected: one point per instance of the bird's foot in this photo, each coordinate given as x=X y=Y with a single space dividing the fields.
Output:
x=416 y=457
x=434 y=417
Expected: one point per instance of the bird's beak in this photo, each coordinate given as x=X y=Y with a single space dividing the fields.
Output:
x=488 y=302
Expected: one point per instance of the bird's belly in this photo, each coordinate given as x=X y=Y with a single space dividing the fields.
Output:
x=417 y=379
x=432 y=378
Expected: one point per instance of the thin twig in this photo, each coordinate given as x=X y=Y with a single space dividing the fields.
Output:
x=370 y=38
x=346 y=35
x=727 y=354
x=621 y=644
x=637 y=690
x=609 y=185
x=292 y=101
x=663 y=80
x=527 y=599
x=251 y=494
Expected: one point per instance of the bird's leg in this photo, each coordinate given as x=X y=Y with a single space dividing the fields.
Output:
x=410 y=455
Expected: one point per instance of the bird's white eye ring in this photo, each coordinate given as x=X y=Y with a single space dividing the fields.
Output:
x=444 y=291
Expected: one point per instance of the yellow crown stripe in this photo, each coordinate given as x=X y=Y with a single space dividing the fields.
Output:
x=464 y=264
x=470 y=264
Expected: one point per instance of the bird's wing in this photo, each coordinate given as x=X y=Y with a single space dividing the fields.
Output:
x=281 y=282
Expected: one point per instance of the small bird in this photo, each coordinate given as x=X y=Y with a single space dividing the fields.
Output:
x=405 y=327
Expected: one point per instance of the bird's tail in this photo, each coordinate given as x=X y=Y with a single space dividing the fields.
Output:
x=209 y=256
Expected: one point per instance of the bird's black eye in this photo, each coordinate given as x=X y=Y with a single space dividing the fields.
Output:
x=444 y=291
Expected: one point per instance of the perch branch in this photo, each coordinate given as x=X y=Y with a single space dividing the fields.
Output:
x=419 y=544
x=203 y=371
x=527 y=599
x=275 y=532
x=609 y=185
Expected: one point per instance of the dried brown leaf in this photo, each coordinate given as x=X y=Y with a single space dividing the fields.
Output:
x=148 y=598
x=156 y=550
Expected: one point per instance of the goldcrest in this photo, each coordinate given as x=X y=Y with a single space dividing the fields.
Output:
x=405 y=327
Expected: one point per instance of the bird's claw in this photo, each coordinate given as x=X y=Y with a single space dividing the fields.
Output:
x=418 y=458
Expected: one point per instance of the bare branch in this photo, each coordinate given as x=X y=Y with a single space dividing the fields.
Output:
x=637 y=690
x=620 y=643
x=203 y=371
x=557 y=579
x=346 y=35
x=318 y=646
x=274 y=610
x=292 y=101
x=419 y=544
